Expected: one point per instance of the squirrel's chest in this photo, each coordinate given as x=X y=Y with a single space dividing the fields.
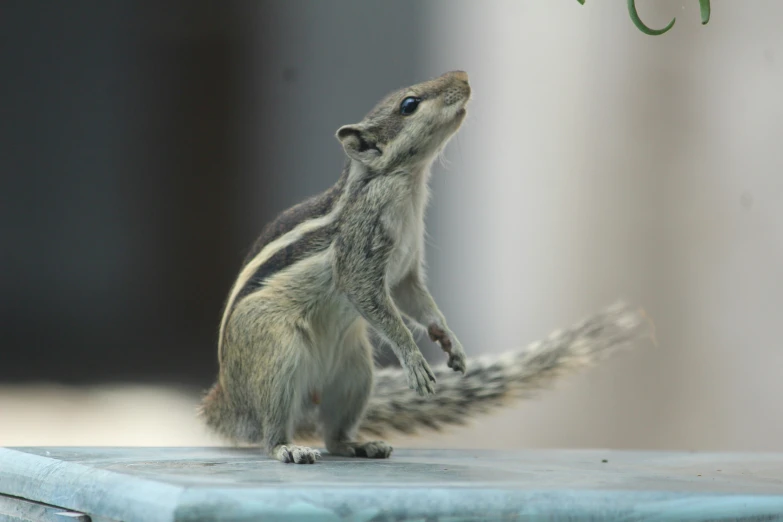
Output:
x=406 y=227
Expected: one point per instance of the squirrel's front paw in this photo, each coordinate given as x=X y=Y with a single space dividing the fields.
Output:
x=458 y=359
x=419 y=375
x=451 y=345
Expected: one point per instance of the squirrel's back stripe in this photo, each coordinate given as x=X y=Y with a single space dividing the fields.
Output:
x=312 y=208
x=294 y=230
x=309 y=243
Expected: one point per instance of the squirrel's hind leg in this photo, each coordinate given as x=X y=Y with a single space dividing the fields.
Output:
x=344 y=400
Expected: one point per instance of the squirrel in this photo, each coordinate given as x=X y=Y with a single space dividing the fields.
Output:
x=295 y=358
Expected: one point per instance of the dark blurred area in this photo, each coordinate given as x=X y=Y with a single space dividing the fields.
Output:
x=142 y=147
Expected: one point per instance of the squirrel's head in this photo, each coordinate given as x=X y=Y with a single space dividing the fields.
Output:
x=409 y=126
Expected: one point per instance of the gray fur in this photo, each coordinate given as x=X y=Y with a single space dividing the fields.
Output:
x=494 y=381
x=294 y=353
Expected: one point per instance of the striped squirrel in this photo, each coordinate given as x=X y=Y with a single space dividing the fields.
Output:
x=294 y=354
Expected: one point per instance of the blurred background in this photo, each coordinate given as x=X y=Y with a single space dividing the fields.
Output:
x=144 y=145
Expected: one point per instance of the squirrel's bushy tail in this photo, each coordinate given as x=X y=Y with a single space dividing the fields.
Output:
x=226 y=420
x=214 y=410
x=495 y=380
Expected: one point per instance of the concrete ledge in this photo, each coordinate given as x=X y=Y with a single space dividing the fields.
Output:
x=223 y=484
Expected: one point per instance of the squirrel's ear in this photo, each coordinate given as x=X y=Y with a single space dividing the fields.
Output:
x=358 y=143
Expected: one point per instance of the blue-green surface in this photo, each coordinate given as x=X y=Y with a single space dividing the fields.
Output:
x=167 y=484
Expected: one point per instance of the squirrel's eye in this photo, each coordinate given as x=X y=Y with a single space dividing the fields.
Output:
x=409 y=105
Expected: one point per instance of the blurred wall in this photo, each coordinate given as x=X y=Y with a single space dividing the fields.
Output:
x=599 y=163
x=143 y=146
x=119 y=126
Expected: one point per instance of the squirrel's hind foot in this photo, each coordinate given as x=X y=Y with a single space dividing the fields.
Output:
x=376 y=449
x=295 y=454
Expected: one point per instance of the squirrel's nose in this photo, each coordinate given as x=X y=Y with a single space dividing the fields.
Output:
x=459 y=75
